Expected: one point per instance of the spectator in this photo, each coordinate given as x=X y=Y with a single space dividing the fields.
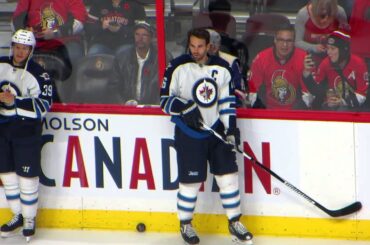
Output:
x=113 y=24
x=219 y=18
x=222 y=6
x=135 y=72
x=315 y=22
x=238 y=80
x=341 y=81
x=360 y=34
x=275 y=78
x=56 y=25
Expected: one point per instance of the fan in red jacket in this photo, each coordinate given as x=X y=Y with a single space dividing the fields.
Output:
x=341 y=80
x=55 y=23
x=275 y=78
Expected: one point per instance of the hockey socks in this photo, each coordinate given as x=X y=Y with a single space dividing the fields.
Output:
x=12 y=192
x=29 y=196
x=186 y=200
x=229 y=193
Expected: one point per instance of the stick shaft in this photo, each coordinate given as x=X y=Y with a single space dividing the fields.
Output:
x=354 y=207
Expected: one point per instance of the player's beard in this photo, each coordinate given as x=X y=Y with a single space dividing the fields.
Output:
x=199 y=58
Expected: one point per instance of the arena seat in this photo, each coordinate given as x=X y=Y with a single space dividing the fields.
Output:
x=220 y=21
x=54 y=65
x=58 y=70
x=284 y=6
x=92 y=79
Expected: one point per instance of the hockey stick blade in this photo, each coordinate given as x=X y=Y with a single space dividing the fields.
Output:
x=352 y=208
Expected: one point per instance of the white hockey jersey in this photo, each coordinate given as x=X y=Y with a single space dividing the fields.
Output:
x=209 y=86
x=32 y=89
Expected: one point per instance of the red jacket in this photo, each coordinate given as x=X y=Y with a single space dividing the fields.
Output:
x=360 y=26
x=283 y=82
x=55 y=14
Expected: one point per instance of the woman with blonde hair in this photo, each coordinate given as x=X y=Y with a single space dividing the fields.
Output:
x=315 y=22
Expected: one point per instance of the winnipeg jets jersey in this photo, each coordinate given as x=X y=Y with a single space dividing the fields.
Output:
x=209 y=86
x=32 y=89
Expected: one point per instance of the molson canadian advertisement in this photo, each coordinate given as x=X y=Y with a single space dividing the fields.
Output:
x=112 y=171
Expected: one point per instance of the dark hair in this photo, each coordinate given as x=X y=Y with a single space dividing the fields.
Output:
x=200 y=33
x=285 y=27
x=219 y=5
x=342 y=41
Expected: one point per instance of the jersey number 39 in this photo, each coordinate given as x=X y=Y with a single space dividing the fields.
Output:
x=47 y=90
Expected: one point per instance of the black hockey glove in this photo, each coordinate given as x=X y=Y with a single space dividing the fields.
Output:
x=191 y=115
x=233 y=137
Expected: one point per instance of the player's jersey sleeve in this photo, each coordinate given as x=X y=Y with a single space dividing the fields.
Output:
x=227 y=101
x=38 y=101
x=170 y=101
x=238 y=78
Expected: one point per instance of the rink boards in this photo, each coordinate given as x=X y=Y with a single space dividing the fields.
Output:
x=111 y=171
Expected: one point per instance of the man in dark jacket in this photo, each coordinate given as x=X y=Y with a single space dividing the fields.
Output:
x=135 y=74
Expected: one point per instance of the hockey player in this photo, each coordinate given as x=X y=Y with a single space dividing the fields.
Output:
x=197 y=89
x=25 y=97
x=341 y=80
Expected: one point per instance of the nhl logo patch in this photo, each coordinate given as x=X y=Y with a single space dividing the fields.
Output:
x=205 y=92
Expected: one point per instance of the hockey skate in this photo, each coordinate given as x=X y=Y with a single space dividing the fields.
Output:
x=13 y=227
x=188 y=234
x=29 y=228
x=239 y=233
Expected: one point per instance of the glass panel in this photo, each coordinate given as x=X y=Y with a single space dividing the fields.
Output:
x=88 y=75
x=90 y=48
x=249 y=27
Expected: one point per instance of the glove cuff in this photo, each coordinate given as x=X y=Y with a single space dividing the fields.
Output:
x=189 y=109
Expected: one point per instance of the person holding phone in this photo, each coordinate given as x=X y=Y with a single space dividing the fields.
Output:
x=341 y=80
x=275 y=78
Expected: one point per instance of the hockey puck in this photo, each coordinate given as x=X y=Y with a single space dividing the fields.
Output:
x=140 y=227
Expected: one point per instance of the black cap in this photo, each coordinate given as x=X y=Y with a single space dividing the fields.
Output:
x=339 y=39
x=145 y=25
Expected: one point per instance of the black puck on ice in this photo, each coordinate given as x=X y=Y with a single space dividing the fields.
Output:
x=140 y=227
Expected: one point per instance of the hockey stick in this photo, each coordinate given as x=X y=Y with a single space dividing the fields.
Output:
x=352 y=208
